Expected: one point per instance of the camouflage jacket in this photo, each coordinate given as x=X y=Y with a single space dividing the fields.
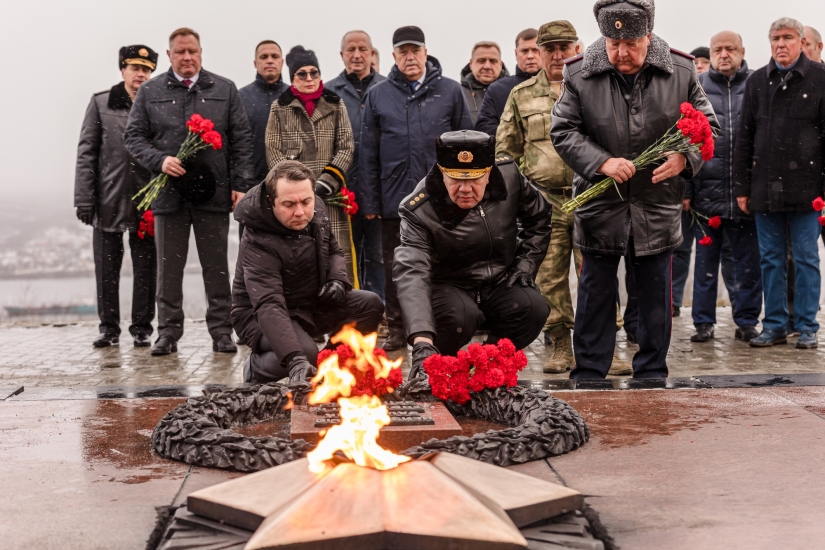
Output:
x=524 y=133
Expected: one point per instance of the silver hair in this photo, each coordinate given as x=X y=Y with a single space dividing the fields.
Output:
x=787 y=23
x=344 y=39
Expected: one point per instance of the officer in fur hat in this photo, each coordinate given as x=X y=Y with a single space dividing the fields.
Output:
x=619 y=98
x=473 y=234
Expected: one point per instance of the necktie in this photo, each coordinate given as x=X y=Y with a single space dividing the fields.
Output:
x=186 y=82
x=414 y=86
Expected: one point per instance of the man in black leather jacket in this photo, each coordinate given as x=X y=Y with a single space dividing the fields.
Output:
x=473 y=234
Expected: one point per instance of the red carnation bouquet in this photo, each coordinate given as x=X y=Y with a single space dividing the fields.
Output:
x=202 y=135
x=365 y=381
x=146 y=226
x=693 y=133
x=715 y=222
x=819 y=206
x=480 y=367
x=345 y=199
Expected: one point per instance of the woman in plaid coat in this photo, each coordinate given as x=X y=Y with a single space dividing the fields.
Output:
x=310 y=124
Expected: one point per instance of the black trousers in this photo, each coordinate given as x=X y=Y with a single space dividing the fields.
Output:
x=108 y=253
x=515 y=313
x=594 y=335
x=172 y=240
x=363 y=308
x=390 y=240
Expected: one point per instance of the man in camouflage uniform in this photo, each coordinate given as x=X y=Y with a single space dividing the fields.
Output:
x=524 y=134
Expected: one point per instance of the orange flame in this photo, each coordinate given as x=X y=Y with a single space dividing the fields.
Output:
x=361 y=417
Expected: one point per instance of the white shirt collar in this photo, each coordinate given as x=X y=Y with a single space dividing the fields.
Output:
x=194 y=79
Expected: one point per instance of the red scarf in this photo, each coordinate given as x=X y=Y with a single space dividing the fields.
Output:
x=308 y=99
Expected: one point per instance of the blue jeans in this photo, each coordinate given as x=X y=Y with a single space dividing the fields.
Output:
x=804 y=229
x=366 y=234
x=747 y=286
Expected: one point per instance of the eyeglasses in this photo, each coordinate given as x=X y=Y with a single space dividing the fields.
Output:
x=311 y=75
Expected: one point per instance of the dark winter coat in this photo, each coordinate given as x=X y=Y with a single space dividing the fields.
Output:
x=711 y=191
x=474 y=91
x=107 y=176
x=272 y=282
x=157 y=128
x=593 y=122
x=471 y=249
x=355 y=110
x=495 y=100
x=780 y=150
x=257 y=100
x=399 y=132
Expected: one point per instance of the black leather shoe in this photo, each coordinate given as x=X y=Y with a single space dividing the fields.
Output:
x=676 y=312
x=142 y=340
x=106 y=340
x=396 y=341
x=747 y=333
x=631 y=337
x=224 y=344
x=703 y=333
x=164 y=346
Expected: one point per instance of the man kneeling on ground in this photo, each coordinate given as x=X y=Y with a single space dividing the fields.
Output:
x=291 y=279
x=472 y=237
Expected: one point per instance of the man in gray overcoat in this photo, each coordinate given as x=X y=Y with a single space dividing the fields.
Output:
x=106 y=178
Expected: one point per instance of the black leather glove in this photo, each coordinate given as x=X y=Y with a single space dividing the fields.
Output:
x=334 y=293
x=86 y=214
x=300 y=370
x=420 y=352
x=324 y=187
x=520 y=277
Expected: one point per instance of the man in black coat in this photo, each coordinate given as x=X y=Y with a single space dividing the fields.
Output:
x=778 y=172
x=200 y=194
x=258 y=97
x=710 y=194
x=473 y=234
x=618 y=99
x=291 y=278
x=528 y=64
x=106 y=179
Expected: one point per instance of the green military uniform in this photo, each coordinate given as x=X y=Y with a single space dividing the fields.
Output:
x=524 y=134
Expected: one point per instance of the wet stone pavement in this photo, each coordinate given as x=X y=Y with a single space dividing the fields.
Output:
x=730 y=458
x=62 y=356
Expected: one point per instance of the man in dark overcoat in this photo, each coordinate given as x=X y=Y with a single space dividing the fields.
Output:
x=618 y=99
x=106 y=179
x=201 y=193
x=473 y=234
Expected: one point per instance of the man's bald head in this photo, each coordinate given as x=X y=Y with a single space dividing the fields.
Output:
x=727 y=52
x=813 y=46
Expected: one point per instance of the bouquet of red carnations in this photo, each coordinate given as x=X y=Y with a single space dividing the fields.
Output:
x=365 y=381
x=201 y=135
x=694 y=134
x=345 y=199
x=146 y=226
x=480 y=367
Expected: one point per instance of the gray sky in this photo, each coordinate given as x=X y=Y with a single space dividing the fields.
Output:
x=57 y=53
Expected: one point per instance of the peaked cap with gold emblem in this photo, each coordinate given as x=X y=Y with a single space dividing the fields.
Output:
x=466 y=154
x=138 y=55
x=625 y=19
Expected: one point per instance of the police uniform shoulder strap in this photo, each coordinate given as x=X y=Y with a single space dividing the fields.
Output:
x=683 y=54
x=574 y=59
x=504 y=159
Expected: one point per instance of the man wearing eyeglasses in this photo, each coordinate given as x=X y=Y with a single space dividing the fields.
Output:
x=403 y=116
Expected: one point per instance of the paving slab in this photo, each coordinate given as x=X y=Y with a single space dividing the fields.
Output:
x=714 y=468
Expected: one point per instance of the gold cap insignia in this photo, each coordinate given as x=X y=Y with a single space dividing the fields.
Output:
x=143 y=52
x=619 y=24
x=465 y=156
